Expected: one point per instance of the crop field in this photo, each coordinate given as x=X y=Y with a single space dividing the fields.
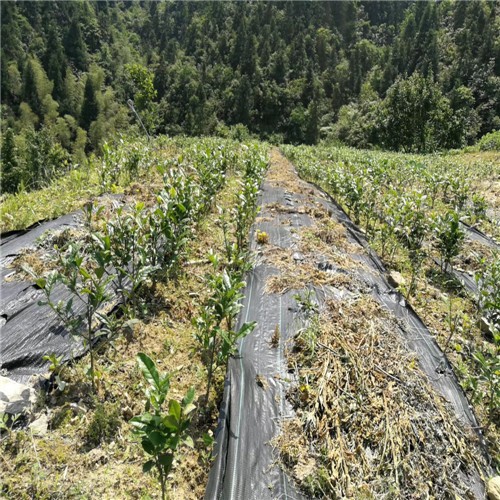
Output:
x=418 y=214
x=150 y=281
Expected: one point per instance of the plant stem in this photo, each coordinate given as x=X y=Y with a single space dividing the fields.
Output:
x=162 y=482
x=210 y=367
x=91 y=349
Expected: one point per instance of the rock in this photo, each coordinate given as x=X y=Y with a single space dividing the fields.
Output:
x=493 y=489
x=15 y=398
x=40 y=426
x=298 y=257
x=395 y=279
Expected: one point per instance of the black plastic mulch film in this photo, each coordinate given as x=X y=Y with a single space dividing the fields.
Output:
x=246 y=466
x=28 y=331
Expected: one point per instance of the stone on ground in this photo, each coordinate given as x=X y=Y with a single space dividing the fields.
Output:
x=15 y=398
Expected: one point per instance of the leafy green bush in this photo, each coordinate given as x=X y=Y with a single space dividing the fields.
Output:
x=486 y=384
x=122 y=161
x=246 y=207
x=215 y=331
x=83 y=273
x=488 y=282
x=87 y=283
x=489 y=142
x=126 y=242
x=411 y=225
x=448 y=237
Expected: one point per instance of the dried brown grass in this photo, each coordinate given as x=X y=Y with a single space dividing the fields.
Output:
x=282 y=174
x=367 y=418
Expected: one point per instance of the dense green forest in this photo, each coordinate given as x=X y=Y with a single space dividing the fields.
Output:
x=411 y=76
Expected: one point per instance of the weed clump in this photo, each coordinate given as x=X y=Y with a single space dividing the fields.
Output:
x=262 y=238
x=103 y=425
x=275 y=339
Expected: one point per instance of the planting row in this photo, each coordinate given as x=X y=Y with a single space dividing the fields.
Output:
x=416 y=212
x=110 y=268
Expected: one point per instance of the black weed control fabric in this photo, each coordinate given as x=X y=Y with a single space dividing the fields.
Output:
x=468 y=280
x=254 y=401
x=29 y=331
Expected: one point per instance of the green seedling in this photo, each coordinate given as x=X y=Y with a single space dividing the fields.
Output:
x=84 y=277
x=126 y=241
x=478 y=208
x=215 y=331
x=486 y=383
x=307 y=302
x=449 y=237
x=56 y=368
x=488 y=284
x=171 y=222
x=162 y=431
x=411 y=225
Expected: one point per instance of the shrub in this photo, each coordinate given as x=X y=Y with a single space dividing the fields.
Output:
x=489 y=142
x=449 y=237
x=216 y=333
x=83 y=273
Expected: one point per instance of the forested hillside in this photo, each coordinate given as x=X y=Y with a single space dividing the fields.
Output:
x=412 y=76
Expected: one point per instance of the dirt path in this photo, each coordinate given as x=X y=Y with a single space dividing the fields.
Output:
x=306 y=243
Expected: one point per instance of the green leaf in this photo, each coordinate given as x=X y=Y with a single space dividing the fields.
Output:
x=174 y=408
x=148 y=369
x=69 y=305
x=164 y=385
x=84 y=273
x=99 y=272
x=157 y=438
x=208 y=440
x=247 y=328
x=213 y=258
x=227 y=280
x=188 y=441
x=148 y=446
x=188 y=398
x=166 y=459
x=41 y=282
x=189 y=408
x=170 y=422
x=61 y=384
x=148 y=466
x=138 y=422
x=173 y=442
